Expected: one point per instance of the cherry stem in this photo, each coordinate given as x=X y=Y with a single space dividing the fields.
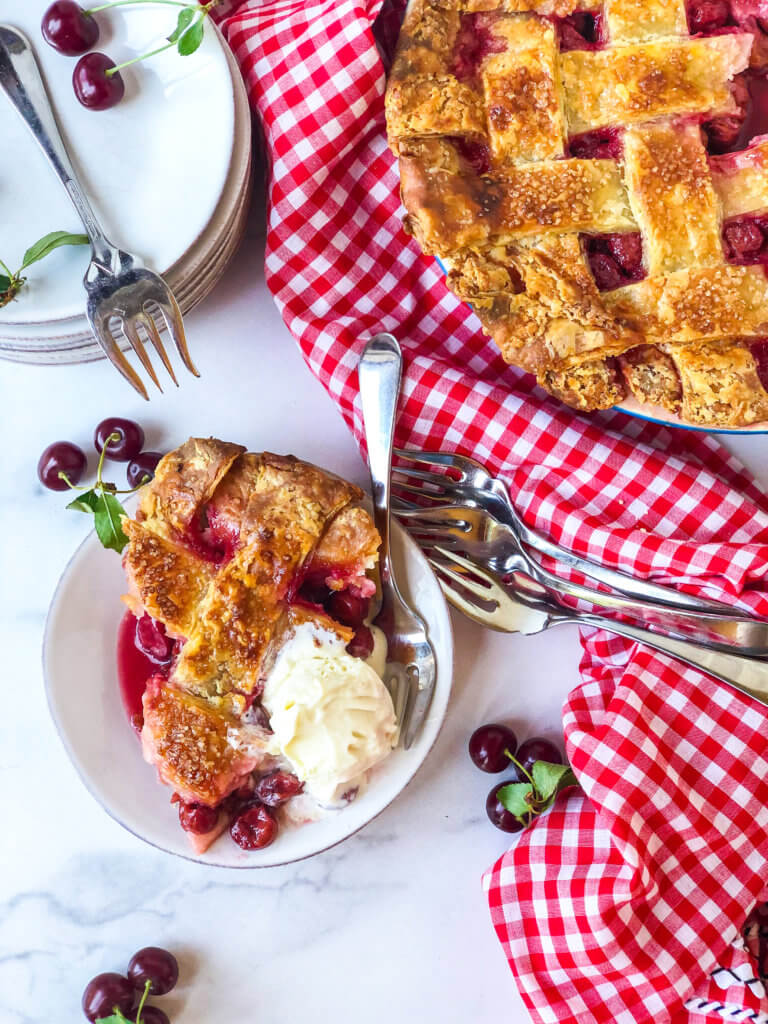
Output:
x=107 y=440
x=161 y=49
x=132 y=3
x=147 y=986
x=514 y=760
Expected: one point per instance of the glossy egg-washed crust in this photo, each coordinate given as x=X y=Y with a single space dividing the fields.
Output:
x=510 y=238
x=280 y=516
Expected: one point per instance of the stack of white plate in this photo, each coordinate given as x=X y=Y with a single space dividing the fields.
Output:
x=168 y=171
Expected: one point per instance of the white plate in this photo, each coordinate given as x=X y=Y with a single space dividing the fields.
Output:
x=155 y=166
x=81 y=684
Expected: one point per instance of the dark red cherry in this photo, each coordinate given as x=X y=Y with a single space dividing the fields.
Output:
x=708 y=15
x=348 y=609
x=142 y=469
x=498 y=813
x=61 y=457
x=722 y=133
x=69 y=29
x=605 y=271
x=487 y=746
x=361 y=644
x=277 y=787
x=538 y=749
x=475 y=152
x=155 y=965
x=198 y=818
x=627 y=250
x=602 y=144
x=154 y=1015
x=105 y=992
x=93 y=87
x=152 y=639
x=254 y=828
x=743 y=238
x=130 y=438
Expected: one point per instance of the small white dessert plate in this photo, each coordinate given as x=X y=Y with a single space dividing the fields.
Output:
x=79 y=664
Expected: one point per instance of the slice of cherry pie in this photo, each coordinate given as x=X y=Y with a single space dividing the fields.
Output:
x=249 y=593
x=595 y=179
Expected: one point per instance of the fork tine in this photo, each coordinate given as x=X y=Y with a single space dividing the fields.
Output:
x=111 y=349
x=451 y=459
x=443 y=499
x=149 y=325
x=489 y=589
x=175 y=324
x=457 y=599
x=129 y=330
x=436 y=479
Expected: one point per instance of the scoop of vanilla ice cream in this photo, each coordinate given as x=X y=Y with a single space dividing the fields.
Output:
x=331 y=714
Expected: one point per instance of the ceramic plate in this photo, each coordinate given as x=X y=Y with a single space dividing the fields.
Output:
x=154 y=166
x=81 y=684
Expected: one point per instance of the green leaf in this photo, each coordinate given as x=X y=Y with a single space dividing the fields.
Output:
x=107 y=515
x=549 y=779
x=190 y=40
x=185 y=16
x=114 y=1018
x=85 y=502
x=5 y=283
x=48 y=243
x=514 y=798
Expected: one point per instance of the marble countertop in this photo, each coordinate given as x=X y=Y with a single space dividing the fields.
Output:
x=390 y=925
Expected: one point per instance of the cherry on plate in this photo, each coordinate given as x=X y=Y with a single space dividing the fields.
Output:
x=487 y=746
x=277 y=787
x=154 y=1015
x=142 y=469
x=361 y=644
x=348 y=609
x=105 y=992
x=254 y=828
x=498 y=813
x=94 y=88
x=68 y=28
x=198 y=818
x=130 y=438
x=156 y=966
x=61 y=457
x=538 y=749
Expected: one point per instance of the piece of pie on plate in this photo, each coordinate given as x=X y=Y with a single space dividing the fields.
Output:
x=253 y=671
x=594 y=177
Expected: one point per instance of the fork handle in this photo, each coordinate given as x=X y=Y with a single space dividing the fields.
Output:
x=379 y=374
x=21 y=81
x=744 y=674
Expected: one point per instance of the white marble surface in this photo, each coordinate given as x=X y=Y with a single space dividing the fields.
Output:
x=392 y=924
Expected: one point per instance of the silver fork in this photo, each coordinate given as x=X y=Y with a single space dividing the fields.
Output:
x=474 y=486
x=493 y=545
x=482 y=597
x=118 y=285
x=410 y=669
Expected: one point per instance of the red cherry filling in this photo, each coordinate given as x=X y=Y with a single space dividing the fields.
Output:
x=198 y=818
x=474 y=42
x=137 y=664
x=615 y=260
x=746 y=239
x=153 y=641
x=361 y=644
x=277 y=787
x=733 y=132
x=211 y=537
x=707 y=16
x=581 y=31
x=759 y=351
x=348 y=608
x=254 y=828
x=603 y=144
x=475 y=152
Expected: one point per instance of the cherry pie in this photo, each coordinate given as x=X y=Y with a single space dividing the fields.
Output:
x=229 y=553
x=594 y=178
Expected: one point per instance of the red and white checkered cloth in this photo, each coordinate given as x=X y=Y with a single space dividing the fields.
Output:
x=618 y=904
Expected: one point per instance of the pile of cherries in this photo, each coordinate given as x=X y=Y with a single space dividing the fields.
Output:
x=492 y=748
x=152 y=970
x=65 y=459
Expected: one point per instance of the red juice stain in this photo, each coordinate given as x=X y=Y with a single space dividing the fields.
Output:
x=135 y=667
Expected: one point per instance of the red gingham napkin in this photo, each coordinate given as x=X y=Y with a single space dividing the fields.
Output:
x=621 y=903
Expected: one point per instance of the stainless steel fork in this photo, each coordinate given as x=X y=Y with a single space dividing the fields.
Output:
x=471 y=484
x=477 y=534
x=487 y=600
x=118 y=286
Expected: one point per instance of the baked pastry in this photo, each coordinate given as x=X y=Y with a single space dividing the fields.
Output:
x=594 y=179
x=249 y=571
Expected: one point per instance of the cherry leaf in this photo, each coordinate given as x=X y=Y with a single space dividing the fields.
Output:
x=185 y=17
x=107 y=515
x=190 y=40
x=549 y=778
x=45 y=245
x=85 y=502
x=514 y=798
x=5 y=283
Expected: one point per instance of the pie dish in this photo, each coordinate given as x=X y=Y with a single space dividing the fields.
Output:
x=594 y=178
x=245 y=661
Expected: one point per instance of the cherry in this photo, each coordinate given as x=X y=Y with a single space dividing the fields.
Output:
x=155 y=965
x=708 y=15
x=474 y=41
x=154 y=1015
x=69 y=29
x=723 y=132
x=605 y=271
x=254 y=828
x=277 y=787
x=580 y=31
x=61 y=457
x=105 y=992
x=538 y=749
x=487 y=747
x=602 y=144
x=627 y=250
x=93 y=87
x=130 y=438
x=361 y=644
x=743 y=238
x=198 y=818
x=142 y=469
x=348 y=609
x=759 y=350
x=498 y=813
x=152 y=640
x=475 y=152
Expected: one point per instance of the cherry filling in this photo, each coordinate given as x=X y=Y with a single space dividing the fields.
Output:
x=474 y=152
x=581 y=31
x=211 y=537
x=143 y=651
x=708 y=16
x=603 y=144
x=475 y=41
x=746 y=239
x=759 y=351
x=615 y=260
